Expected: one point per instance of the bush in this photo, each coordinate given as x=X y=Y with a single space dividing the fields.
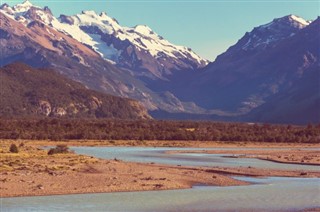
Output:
x=14 y=148
x=59 y=149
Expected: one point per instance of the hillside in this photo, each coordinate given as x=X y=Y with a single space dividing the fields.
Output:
x=29 y=92
x=298 y=102
x=266 y=68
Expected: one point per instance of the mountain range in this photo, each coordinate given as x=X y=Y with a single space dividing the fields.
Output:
x=271 y=74
x=263 y=63
x=28 y=35
x=137 y=48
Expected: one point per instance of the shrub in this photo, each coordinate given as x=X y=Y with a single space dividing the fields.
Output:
x=59 y=149
x=14 y=148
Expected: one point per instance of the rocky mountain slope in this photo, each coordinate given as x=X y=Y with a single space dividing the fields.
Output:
x=28 y=35
x=267 y=61
x=29 y=92
x=298 y=102
x=138 y=48
x=41 y=46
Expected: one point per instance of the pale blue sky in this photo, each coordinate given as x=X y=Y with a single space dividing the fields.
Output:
x=209 y=27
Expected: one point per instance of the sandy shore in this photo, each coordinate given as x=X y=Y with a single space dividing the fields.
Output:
x=33 y=172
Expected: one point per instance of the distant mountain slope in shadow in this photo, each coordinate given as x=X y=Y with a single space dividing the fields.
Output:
x=263 y=76
x=29 y=92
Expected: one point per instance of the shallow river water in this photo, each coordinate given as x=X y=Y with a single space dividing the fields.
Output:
x=265 y=194
x=158 y=155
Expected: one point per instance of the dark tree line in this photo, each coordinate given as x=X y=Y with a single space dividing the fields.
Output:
x=111 y=129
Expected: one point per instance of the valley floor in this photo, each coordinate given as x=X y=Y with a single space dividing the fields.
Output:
x=32 y=172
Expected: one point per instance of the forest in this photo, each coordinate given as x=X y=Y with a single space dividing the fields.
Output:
x=114 y=129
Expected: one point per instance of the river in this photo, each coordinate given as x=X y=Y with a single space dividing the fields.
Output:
x=265 y=194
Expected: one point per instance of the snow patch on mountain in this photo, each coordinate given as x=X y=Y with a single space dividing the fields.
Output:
x=103 y=22
x=278 y=29
x=299 y=20
x=143 y=29
x=44 y=16
x=140 y=36
x=77 y=33
x=108 y=52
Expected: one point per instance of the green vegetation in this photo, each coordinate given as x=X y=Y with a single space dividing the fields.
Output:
x=112 y=129
x=13 y=148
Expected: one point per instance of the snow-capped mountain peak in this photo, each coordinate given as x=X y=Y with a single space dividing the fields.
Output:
x=102 y=21
x=292 y=21
x=25 y=3
x=26 y=12
x=137 y=48
x=23 y=7
x=278 y=29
